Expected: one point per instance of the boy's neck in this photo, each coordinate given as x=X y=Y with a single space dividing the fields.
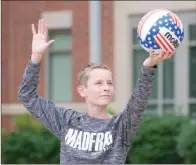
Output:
x=98 y=112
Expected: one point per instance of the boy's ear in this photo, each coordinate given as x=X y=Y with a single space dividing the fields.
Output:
x=81 y=90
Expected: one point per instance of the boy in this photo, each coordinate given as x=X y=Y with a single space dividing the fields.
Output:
x=95 y=136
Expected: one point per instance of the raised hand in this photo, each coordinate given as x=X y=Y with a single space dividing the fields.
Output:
x=40 y=43
x=153 y=59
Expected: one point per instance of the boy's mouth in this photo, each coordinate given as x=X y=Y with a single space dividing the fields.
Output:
x=106 y=96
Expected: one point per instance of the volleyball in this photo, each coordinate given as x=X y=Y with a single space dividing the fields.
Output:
x=160 y=29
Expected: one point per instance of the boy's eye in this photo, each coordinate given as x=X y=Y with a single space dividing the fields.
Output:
x=98 y=82
x=110 y=82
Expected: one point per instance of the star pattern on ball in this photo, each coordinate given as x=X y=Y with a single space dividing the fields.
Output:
x=165 y=21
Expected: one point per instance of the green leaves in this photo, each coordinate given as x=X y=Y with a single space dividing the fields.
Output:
x=29 y=146
x=187 y=143
x=31 y=143
x=156 y=141
x=26 y=120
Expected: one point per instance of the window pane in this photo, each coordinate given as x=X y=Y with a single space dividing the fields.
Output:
x=151 y=107
x=60 y=80
x=168 y=79
x=139 y=56
x=192 y=32
x=192 y=110
x=168 y=108
x=134 y=38
x=63 y=40
x=192 y=72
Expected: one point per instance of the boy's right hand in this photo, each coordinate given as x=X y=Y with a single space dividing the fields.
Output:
x=39 y=43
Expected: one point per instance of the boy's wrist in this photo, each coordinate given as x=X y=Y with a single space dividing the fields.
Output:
x=155 y=66
x=36 y=58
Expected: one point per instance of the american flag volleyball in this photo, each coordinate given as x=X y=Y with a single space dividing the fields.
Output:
x=160 y=29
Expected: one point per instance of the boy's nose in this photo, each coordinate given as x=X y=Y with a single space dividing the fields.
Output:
x=106 y=88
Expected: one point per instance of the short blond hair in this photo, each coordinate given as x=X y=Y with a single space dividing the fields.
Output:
x=83 y=75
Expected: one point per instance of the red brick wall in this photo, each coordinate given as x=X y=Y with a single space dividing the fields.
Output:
x=5 y=51
x=7 y=123
x=17 y=18
x=107 y=33
x=16 y=33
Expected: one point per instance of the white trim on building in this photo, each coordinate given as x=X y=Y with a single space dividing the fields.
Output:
x=122 y=46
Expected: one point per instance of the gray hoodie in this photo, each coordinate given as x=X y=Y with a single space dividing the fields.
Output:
x=85 y=139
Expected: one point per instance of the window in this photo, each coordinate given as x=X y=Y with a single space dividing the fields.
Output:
x=192 y=69
x=59 y=66
x=175 y=82
x=163 y=88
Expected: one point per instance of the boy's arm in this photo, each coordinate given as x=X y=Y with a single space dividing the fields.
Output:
x=51 y=116
x=131 y=116
x=133 y=111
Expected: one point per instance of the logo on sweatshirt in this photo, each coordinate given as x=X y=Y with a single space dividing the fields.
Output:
x=89 y=141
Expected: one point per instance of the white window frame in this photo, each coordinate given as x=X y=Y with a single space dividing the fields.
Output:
x=181 y=67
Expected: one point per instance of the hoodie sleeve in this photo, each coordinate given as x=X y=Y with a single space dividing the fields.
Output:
x=51 y=116
x=131 y=116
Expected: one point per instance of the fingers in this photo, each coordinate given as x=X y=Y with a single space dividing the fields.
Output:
x=170 y=54
x=46 y=32
x=165 y=55
x=45 y=28
x=49 y=43
x=33 y=29
x=161 y=54
x=39 y=26
x=151 y=52
x=42 y=28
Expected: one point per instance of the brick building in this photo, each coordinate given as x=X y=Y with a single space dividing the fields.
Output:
x=69 y=25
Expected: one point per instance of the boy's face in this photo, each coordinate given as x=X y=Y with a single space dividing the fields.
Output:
x=99 y=87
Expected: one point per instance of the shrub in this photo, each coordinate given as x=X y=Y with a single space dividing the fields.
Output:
x=155 y=141
x=30 y=143
x=28 y=146
x=187 y=143
x=27 y=120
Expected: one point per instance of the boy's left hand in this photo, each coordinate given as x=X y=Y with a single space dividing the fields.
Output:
x=153 y=59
